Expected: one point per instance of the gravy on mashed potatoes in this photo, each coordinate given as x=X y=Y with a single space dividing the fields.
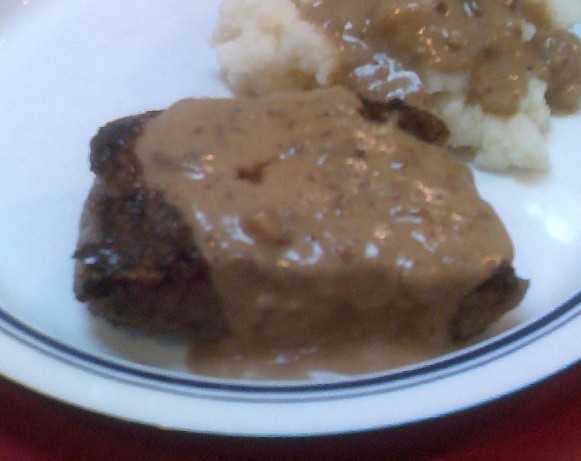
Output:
x=491 y=70
x=390 y=49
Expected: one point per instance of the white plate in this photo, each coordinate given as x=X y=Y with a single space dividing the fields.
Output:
x=67 y=67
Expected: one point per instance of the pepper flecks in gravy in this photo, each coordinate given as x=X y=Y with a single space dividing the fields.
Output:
x=391 y=48
x=314 y=219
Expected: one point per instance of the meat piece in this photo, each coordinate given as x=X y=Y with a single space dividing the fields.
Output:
x=422 y=124
x=195 y=224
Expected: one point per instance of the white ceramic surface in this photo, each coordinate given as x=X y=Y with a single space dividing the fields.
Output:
x=67 y=67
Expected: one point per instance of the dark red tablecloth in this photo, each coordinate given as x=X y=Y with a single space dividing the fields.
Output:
x=542 y=423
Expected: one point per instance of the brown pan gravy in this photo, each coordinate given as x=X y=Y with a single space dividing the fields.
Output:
x=390 y=48
x=327 y=358
x=322 y=230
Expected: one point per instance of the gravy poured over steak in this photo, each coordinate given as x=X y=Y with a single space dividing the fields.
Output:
x=287 y=219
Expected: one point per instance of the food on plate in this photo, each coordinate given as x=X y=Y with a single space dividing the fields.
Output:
x=492 y=70
x=287 y=218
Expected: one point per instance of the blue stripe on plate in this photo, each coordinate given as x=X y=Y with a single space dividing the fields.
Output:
x=462 y=361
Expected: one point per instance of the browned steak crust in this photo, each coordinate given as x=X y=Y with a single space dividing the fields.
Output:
x=136 y=262
x=488 y=302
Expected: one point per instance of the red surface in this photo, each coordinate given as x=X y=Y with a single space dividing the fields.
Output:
x=542 y=423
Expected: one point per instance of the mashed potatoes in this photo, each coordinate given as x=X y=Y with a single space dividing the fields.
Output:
x=498 y=142
x=265 y=46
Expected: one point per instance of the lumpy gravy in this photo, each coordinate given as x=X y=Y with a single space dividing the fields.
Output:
x=392 y=48
x=318 y=223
